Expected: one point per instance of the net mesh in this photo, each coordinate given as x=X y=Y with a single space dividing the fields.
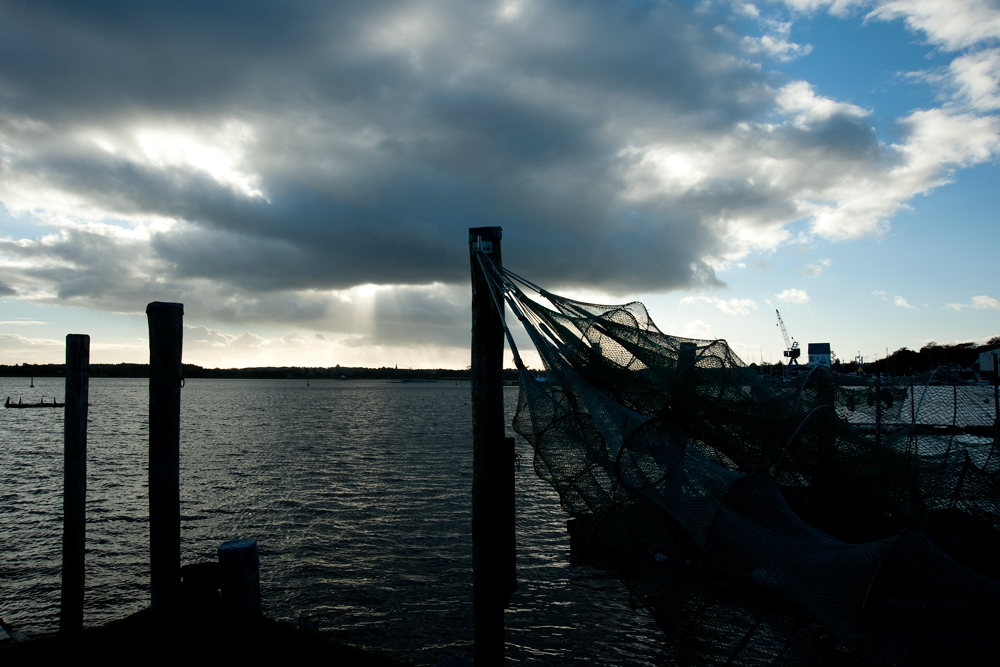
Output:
x=827 y=519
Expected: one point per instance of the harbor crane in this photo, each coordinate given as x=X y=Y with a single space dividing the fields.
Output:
x=792 y=350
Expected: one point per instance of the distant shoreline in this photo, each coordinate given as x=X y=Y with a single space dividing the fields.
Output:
x=260 y=373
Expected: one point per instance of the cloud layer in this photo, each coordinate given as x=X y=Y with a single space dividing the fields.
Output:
x=981 y=302
x=264 y=162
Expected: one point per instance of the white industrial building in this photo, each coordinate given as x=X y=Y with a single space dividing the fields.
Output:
x=986 y=360
x=819 y=354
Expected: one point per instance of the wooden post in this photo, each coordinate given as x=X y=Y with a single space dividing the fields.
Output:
x=913 y=406
x=508 y=529
x=240 y=574
x=878 y=411
x=165 y=338
x=74 y=483
x=491 y=484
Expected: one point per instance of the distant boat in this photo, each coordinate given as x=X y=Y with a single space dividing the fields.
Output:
x=43 y=404
x=307 y=382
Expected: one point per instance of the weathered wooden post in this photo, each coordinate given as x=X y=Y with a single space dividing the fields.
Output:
x=240 y=574
x=492 y=463
x=878 y=412
x=165 y=340
x=508 y=525
x=74 y=482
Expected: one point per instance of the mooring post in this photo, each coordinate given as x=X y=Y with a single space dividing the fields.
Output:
x=491 y=483
x=508 y=529
x=240 y=563
x=165 y=339
x=74 y=482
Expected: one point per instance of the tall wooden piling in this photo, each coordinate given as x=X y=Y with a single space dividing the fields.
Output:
x=508 y=527
x=165 y=340
x=74 y=482
x=492 y=548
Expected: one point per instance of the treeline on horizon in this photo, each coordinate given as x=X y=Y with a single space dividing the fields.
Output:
x=905 y=361
x=901 y=362
x=191 y=371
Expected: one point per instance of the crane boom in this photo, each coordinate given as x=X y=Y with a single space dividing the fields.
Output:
x=792 y=350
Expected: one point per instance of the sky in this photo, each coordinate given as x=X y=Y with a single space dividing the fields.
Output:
x=302 y=175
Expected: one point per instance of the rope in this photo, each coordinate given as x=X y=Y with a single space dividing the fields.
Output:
x=500 y=294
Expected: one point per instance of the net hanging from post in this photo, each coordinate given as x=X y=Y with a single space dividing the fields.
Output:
x=826 y=520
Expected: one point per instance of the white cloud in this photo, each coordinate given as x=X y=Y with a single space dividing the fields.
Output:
x=698 y=329
x=799 y=102
x=881 y=293
x=737 y=306
x=728 y=306
x=815 y=270
x=940 y=139
x=835 y=7
x=952 y=24
x=793 y=295
x=937 y=143
x=16 y=349
x=901 y=302
x=981 y=302
x=976 y=79
x=774 y=46
x=219 y=153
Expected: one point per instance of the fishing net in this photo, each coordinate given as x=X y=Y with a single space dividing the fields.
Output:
x=823 y=519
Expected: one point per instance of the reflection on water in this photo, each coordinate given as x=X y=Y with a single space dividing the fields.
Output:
x=358 y=493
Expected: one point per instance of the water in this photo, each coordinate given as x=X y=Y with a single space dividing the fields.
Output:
x=358 y=493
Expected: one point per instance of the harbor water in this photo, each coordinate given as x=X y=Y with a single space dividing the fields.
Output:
x=358 y=493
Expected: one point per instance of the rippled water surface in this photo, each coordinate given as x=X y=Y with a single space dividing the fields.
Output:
x=358 y=493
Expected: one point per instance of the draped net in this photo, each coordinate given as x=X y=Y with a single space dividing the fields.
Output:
x=829 y=519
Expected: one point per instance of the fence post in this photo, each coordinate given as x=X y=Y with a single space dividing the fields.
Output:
x=166 y=321
x=74 y=482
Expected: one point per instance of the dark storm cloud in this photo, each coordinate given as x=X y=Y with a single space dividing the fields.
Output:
x=77 y=61
x=439 y=116
x=84 y=267
x=359 y=142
